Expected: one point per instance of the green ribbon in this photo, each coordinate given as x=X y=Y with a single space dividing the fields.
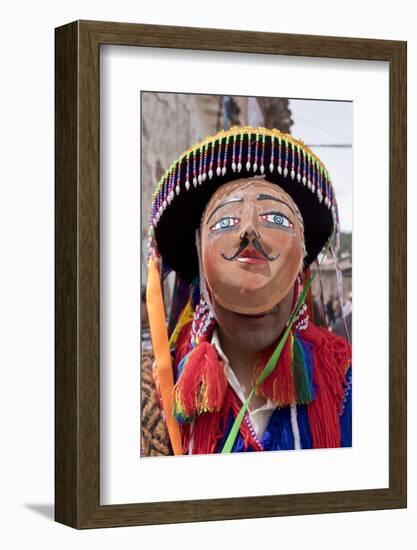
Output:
x=271 y=364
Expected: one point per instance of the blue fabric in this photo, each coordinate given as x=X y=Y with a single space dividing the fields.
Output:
x=238 y=446
x=306 y=441
x=346 y=416
x=278 y=435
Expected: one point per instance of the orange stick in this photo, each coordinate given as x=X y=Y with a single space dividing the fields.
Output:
x=160 y=343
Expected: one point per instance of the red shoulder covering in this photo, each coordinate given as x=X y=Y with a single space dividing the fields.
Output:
x=332 y=356
x=208 y=429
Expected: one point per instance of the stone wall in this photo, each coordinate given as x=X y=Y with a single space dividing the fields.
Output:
x=170 y=123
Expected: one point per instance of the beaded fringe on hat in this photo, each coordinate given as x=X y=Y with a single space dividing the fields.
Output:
x=287 y=156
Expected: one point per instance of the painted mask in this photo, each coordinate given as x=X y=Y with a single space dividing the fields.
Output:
x=251 y=245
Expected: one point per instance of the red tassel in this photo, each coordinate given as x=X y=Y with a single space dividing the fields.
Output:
x=206 y=433
x=208 y=429
x=332 y=356
x=202 y=385
x=279 y=385
x=185 y=437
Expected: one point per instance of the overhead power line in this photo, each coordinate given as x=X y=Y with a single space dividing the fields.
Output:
x=332 y=145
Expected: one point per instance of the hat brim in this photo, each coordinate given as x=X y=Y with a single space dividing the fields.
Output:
x=175 y=230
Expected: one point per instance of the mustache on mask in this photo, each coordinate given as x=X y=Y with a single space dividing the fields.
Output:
x=244 y=243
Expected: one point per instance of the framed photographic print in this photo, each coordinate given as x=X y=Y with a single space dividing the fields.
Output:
x=230 y=274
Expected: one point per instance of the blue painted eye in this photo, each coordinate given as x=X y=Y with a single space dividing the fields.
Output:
x=276 y=219
x=225 y=223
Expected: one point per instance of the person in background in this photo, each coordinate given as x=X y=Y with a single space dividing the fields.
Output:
x=343 y=325
x=330 y=311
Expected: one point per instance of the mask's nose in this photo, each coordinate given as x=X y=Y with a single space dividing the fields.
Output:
x=249 y=232
x=250 y=224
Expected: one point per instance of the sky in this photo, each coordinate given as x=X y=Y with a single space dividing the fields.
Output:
x=329 y=123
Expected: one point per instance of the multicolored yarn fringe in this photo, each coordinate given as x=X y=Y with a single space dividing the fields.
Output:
x=201 y=378
x=291 y=381
x=288 y=157
x=311 y=372
x=201 y=385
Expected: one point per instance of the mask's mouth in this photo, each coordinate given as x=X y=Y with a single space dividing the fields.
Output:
x=250 y=254
x=252 y=257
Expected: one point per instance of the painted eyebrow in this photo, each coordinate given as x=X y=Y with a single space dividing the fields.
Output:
x=266 y=197
x=237 y=199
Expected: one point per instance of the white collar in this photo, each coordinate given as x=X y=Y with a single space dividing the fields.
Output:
x=260 y=416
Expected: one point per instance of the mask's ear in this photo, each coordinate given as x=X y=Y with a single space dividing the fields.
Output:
x=204 y=291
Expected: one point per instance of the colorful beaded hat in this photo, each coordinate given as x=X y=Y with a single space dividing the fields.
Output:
x=186 y=187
